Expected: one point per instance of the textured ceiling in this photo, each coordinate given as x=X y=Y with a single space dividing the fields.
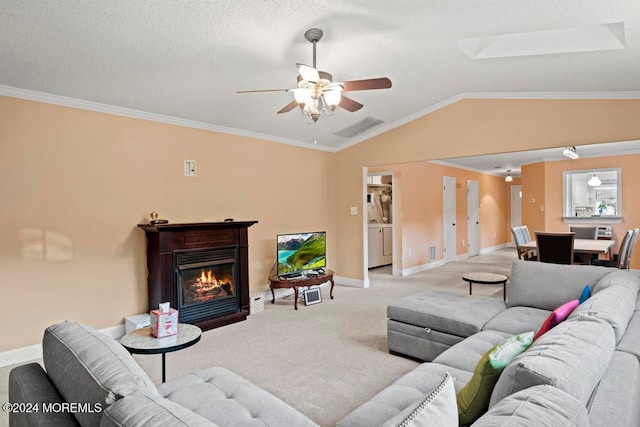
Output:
x=186 y=59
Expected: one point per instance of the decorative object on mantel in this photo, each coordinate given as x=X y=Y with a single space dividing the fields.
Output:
x=155 y=220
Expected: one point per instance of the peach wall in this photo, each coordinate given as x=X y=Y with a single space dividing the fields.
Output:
x=418 y=200
x=80 y=181
x=546 y=179
x=533 y=196
x=472 y=127
x=75 y=184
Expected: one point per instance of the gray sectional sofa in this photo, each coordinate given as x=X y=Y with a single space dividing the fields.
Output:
x=106 y=387
x=585 y=371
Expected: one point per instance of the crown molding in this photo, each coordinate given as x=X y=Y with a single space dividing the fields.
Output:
x=81 y=104
x=488 y=95
x=65 y=101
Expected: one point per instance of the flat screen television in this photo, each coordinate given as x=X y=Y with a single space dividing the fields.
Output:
x=301 y=252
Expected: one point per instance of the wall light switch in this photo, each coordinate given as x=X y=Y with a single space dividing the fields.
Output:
x=354 y=210
x=189 y=168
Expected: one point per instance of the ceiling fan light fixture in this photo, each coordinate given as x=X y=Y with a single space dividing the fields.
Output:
x=594 y=181
x=332 y=98
x=302 y=96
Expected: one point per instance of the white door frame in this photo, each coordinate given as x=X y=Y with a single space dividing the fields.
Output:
x=365 y=222
x=516 y=208
x=473 y=218
x=449 y=218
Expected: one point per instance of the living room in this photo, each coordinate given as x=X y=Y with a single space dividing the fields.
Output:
x=80 y=175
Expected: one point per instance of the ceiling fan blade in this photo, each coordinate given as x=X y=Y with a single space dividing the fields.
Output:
x=263 y=90
x=308 y=73
x=290 y=106
x=349 y=104
x=379 y=83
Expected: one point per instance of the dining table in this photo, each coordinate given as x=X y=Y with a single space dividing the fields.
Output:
x=584 y=248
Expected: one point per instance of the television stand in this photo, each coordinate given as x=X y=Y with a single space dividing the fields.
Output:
x=279 y=282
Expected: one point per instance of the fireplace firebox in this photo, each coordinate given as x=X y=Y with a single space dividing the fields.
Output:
x=201 y=269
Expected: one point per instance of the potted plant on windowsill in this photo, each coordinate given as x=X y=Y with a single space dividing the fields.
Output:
x=602 y=207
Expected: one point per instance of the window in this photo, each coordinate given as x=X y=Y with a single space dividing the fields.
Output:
x=592 y=194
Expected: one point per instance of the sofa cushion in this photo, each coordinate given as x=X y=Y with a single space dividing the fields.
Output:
x=407 y=391
x=141 y=410
x=466 y=354
x=614 y=304
x=473 y=399
x=557 y=316
x=225 y=398
x=446 y=312
x=572 y=357
x=547 y=286
x=624 y=278
x=516 y=320
x=89 y=367
x=541 y=406
x=436 y=408
x=615 y=400
x=630 y=342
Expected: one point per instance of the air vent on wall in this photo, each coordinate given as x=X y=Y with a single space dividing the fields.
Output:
x=358 y=127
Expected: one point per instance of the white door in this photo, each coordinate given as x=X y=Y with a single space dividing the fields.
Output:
x=449 y=214
x=473 y=220
x=516 y=207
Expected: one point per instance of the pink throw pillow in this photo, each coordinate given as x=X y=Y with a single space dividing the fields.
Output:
x=558 y=315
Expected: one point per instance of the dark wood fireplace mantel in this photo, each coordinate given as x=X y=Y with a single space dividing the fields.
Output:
x=165 y=241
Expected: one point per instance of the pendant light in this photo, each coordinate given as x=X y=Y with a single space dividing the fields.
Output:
x=508 y=178
x=594 y=181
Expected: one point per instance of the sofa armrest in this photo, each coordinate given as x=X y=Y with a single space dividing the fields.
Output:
x=30 y=384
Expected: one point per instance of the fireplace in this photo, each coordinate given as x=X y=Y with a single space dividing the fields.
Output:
x=201 y=269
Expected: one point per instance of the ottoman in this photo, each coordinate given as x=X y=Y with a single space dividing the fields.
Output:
x=424 y=325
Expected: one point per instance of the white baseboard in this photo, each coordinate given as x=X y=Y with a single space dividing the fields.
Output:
x=32 y=352
x=421 y=267
x=356 y=283
x=494 y=248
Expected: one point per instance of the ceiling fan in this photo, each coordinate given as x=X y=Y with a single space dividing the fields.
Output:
x=317 y=94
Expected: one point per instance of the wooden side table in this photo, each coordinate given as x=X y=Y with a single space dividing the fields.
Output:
x=142 y=342
x=276 y=282
x=487 y=279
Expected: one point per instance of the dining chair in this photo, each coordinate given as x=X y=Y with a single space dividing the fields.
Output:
x=585 y=232
x=634 y=237
x=556 y=248
x=519 y=237
x=621 y=259
x=582 y=232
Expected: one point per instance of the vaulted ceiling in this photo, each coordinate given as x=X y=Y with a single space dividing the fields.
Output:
x=186 y=59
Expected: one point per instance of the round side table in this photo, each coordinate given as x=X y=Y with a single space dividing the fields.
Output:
x=142 y=342
x=487 y=279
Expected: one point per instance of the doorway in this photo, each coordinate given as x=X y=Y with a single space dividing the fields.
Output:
x=449 y=215
x=379 y=219
x=473 y=220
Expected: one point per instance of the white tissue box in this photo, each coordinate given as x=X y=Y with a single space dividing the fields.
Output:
x=164 y=324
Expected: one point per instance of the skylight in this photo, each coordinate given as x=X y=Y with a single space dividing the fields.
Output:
x=566 y=40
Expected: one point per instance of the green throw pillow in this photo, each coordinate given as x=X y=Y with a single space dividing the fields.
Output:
x=473 y=399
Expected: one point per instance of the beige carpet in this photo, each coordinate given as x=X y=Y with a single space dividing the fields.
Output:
x=325 y=359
